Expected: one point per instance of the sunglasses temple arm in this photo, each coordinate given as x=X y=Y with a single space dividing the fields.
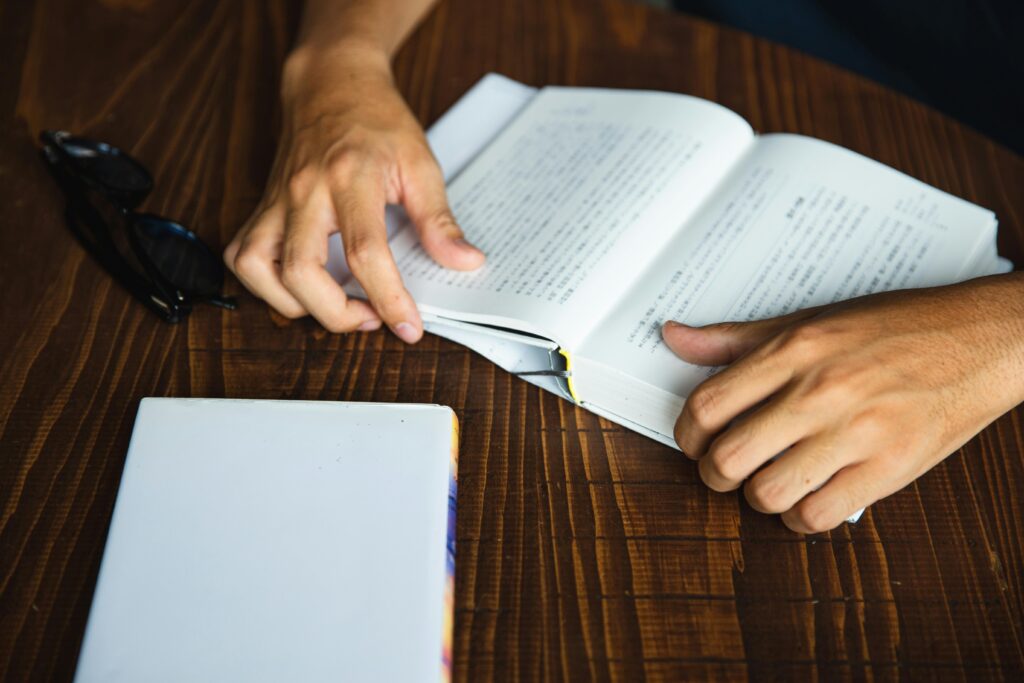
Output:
x=226 y=302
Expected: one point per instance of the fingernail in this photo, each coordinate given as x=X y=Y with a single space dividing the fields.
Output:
x=370 y=326
x=461 y=241
x=407 y=333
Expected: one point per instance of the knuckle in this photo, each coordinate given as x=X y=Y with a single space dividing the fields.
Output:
x=680 y=435
x=230 y=255
x=725 y=463
x=361 y=253
x=343 y=163
x=295 y=273
x=824 y=380
x=701 y=406
x=358 y=150
x=803 y=341
x=767 y=495
x=869 y=425
x=901 y=462
x=247 y=263
x=814 y=517
x=715 y=483
x=837 y=383
x=301 y=183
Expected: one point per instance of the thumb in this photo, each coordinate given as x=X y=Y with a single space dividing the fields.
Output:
x=723 y=343
x=423 y=194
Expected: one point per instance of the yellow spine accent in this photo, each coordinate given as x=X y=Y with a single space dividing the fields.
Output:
x=568 y=368
x=455 y=446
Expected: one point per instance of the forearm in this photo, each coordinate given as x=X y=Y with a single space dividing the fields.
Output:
x=999 y=304
x=348 y=146
x=380 y=25
x=344 y=51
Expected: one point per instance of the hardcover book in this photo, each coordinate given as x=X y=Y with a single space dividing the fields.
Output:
x=279 y=541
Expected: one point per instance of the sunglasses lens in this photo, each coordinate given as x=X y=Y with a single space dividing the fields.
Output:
x=108 y=167
x=180 y=257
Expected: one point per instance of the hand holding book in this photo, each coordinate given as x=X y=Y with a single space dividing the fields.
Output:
x=867 y=395
x=604 y=213
x=349 y=145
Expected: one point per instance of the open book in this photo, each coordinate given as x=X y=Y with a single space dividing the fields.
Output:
x=604 y=213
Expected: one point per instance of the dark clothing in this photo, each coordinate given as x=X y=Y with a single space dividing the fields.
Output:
x=963 y=57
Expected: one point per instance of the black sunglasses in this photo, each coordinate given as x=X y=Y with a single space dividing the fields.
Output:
x=162 y=263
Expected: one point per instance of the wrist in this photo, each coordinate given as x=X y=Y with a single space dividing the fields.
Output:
x=999 y=301
x=344 y=63
x=1014 y=297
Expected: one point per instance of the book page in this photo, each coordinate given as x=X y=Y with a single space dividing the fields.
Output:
x=571 y=203
x=799 y=223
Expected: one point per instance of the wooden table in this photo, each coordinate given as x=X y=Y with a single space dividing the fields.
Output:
x=584 y=551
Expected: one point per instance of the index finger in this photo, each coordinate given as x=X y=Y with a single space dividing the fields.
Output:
x=303 y=271
x=359 y=201
x=722 y=398
x=254 y=257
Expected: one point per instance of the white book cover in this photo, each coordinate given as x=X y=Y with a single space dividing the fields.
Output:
x=279 y=541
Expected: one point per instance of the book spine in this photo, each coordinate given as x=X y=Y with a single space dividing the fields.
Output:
x=448 y=627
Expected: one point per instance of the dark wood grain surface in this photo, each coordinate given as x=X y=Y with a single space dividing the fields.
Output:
x=584 y=551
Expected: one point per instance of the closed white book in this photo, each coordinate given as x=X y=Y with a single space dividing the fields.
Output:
x=279 y=541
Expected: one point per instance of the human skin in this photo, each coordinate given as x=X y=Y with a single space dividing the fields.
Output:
x=349 y=145
x=867 y=395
